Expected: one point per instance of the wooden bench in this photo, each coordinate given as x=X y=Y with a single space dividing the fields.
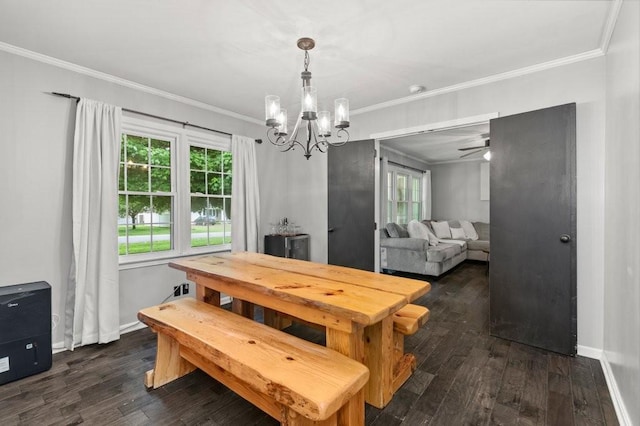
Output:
x=406 y=321
x=294 y=381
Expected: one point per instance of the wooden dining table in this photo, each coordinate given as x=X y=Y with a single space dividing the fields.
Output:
x=355 y=307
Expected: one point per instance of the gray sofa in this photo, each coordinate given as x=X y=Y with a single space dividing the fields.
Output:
x=399 y=252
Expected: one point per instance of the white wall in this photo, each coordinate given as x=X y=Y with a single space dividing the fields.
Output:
x=456 y=192
x=583 y=83
x=35 y=177
x=622 y=211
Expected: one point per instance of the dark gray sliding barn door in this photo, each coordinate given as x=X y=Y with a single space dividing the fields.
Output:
x=533 y=228
x=351 y=207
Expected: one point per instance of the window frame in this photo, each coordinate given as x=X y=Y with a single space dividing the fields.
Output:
x=181 y=139
x=392 y=173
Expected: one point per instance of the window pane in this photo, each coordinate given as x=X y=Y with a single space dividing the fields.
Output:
x=226 y=162
x=214 y=160
x=214 y=183
x=227 y=184
x=161 y=224
x=137 y=149
x=416 y=189
x=401 y=188
x=137 y=178
x=160 y=179
x=390 y=186
x=198 y=185
x=197 y=158
x=402 y=213
x=389 y=211
x=416 y=213
x=160 y=153
x=121 y=178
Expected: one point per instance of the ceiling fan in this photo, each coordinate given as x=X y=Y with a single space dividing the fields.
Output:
x=477 y=149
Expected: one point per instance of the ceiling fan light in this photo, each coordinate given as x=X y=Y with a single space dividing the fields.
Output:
x=487 y=155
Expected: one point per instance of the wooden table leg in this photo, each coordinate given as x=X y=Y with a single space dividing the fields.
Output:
x=351 y=345
x=242 y=307
x=275 y=319
x=207 y=295
x=379 y=358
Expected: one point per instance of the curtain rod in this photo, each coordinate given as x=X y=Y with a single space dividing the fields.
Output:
x=405 y=166
x=184 y=123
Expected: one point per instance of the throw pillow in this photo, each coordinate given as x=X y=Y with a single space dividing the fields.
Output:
x=458 y=234
x=441 y=229
x=396 y=231
x=433 y=240
x=469 y=230
x=418 y=230
x=392 y=230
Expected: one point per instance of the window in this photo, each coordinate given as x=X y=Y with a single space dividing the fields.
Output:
x=146 y=195
x=404 y=195
x=210 y=181
x=174 y=192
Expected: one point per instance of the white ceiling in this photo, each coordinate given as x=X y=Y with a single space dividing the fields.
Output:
x=230 y=54
x=443 y=146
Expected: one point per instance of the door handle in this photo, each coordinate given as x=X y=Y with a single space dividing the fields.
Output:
x=565 y=238
x=331 y=229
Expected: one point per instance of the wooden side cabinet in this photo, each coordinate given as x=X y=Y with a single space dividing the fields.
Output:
x=291 y=246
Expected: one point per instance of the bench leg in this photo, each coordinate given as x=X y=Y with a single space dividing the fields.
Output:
x=378 y=357
x=169 y=364
x=352 y=413
x=403 y=364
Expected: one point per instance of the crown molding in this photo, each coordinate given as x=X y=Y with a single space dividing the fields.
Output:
x=605 y=38
x=610 y=25
x=122 y=82
x=486 y=80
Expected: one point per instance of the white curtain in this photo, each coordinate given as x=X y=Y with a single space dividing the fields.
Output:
x=92 y=310
x=245 y=198
x=426 y=195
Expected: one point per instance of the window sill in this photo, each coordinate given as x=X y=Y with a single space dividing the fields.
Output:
x=146 y=262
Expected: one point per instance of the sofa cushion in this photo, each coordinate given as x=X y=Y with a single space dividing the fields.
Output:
x=396 y=231
x=469 y=230
x=478 y=245
x=441 y=229
x=418 y=230
x=442 y=252
x=433 y=240
x=458 y=234
x=483 y=230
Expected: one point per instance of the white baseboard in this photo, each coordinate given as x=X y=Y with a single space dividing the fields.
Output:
x=589 y=352
x=618 y=403
x=58 y=347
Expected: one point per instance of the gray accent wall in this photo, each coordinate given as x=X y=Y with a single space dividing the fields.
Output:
x=456 y=192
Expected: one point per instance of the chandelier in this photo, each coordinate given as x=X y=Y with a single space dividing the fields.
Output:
x=318 y=124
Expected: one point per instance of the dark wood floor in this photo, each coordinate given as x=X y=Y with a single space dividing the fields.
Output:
x=464 y=377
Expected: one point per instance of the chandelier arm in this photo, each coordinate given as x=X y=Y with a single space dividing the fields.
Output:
x=339 y=135
x=292 y=144
x=273 y=133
